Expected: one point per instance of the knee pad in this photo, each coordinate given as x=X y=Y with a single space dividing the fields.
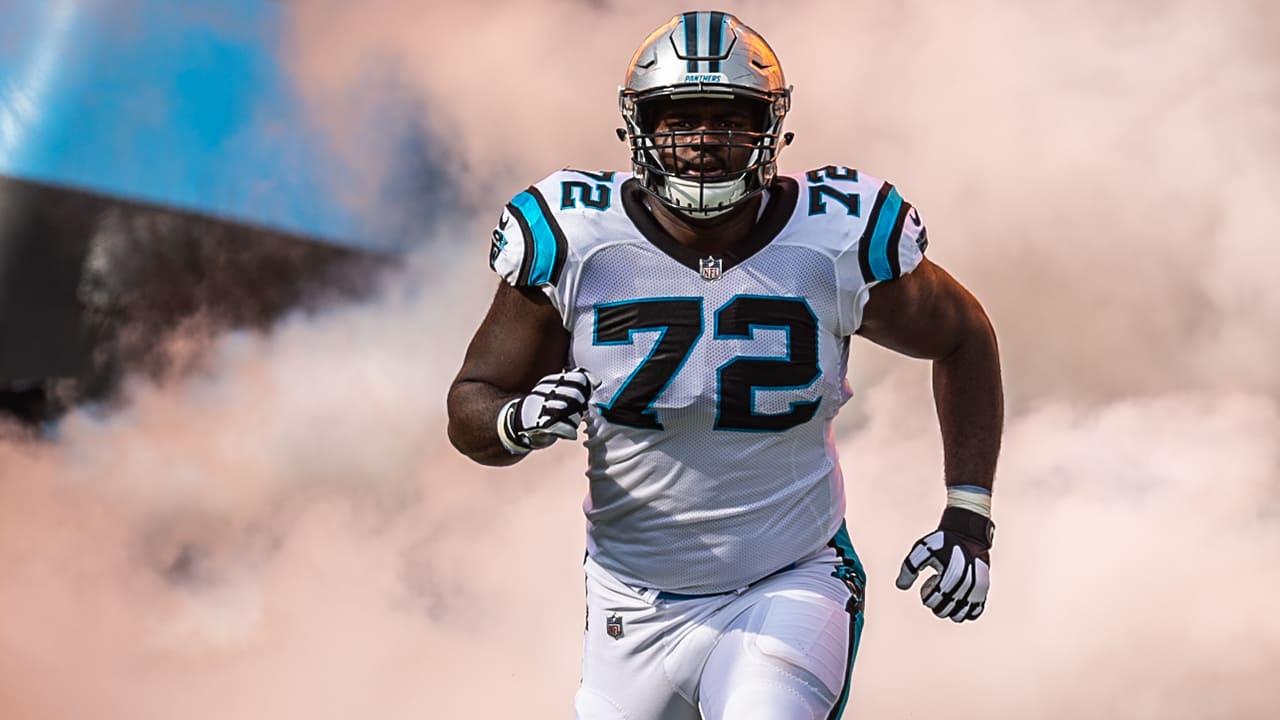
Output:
x=809 y=632
x=788 y=658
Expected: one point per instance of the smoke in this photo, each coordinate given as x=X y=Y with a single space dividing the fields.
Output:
x=287 y=533
x=283 y=533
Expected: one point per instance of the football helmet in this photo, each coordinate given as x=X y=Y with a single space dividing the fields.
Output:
x=707 y=55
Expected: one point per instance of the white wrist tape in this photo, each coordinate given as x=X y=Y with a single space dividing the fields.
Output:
x=509 y=442
x=970 y=497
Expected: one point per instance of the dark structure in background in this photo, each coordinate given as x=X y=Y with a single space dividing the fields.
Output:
x=90 y=286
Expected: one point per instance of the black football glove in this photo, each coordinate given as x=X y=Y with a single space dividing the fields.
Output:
x=958 y=551
x=552 y=410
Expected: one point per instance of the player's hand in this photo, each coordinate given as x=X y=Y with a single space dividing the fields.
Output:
x=958 y=552
x=552 y=410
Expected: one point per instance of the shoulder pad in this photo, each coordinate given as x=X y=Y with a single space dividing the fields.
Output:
x=895 y=238
x=582 y=190
x=530 y=243
x=528 y=248
x=889 y=232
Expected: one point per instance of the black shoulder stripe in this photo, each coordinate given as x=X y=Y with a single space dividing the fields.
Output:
x=895 y=241
x=544 y=242
x=562 y=245
x=526 y=234
x=864 y=243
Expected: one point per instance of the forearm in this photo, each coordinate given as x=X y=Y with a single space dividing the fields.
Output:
x=969 y=396
x=473 y=418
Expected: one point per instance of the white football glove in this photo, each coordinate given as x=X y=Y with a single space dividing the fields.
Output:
x=958 y=552
x=552 y=410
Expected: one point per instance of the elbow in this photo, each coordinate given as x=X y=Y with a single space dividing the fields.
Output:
x=983 y=334
x=482 y=453
x=975 y=342
x=474 y=436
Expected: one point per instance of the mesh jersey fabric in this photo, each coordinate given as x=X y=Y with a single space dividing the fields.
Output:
x=711 y=460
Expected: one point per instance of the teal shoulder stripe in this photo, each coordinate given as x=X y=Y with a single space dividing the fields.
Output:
x=883 y=234
x=545 y=246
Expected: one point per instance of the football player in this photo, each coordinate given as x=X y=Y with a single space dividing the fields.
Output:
x=696 y=314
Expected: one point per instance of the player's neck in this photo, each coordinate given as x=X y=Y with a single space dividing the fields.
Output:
x=713 y=236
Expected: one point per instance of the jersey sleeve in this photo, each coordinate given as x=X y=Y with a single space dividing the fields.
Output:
x=891 y=245
x=528 y=248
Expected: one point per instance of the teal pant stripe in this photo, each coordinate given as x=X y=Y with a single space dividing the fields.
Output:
x=880 y=246
x=844 y=548
x=543 y=246
x=854 y=639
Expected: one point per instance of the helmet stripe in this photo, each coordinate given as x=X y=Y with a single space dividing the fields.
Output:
x=716 y=45
x=691 y=40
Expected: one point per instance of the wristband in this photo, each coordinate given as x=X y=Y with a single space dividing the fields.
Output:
x=970 y=497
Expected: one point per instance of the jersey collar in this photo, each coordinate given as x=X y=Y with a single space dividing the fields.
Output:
x=778 y=210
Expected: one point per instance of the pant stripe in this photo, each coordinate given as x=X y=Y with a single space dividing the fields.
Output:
x=856 y=577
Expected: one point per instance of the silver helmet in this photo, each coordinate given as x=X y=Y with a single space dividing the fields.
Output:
x=704 y=55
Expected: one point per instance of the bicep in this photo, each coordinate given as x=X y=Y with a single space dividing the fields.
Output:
x=925 y=313
x=520 y=340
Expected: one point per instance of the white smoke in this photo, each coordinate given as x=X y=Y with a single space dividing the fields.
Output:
x=288 y=533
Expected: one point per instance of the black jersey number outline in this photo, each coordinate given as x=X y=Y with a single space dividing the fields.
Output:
x=574 y=193
x=679 y=322
x=818 y=194
x=740 y=378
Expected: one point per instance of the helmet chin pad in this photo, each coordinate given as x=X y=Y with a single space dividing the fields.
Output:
x=702 y=199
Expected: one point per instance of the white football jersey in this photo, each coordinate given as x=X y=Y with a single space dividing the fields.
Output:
x=711 y=457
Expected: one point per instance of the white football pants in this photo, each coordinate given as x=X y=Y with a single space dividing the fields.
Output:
x=780 y=649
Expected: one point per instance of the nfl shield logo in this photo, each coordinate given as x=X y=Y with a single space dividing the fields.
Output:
x=710 y=268
x=613 y=626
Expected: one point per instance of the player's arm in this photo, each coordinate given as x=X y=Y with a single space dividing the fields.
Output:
x=927 y=314
x=520 y=341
